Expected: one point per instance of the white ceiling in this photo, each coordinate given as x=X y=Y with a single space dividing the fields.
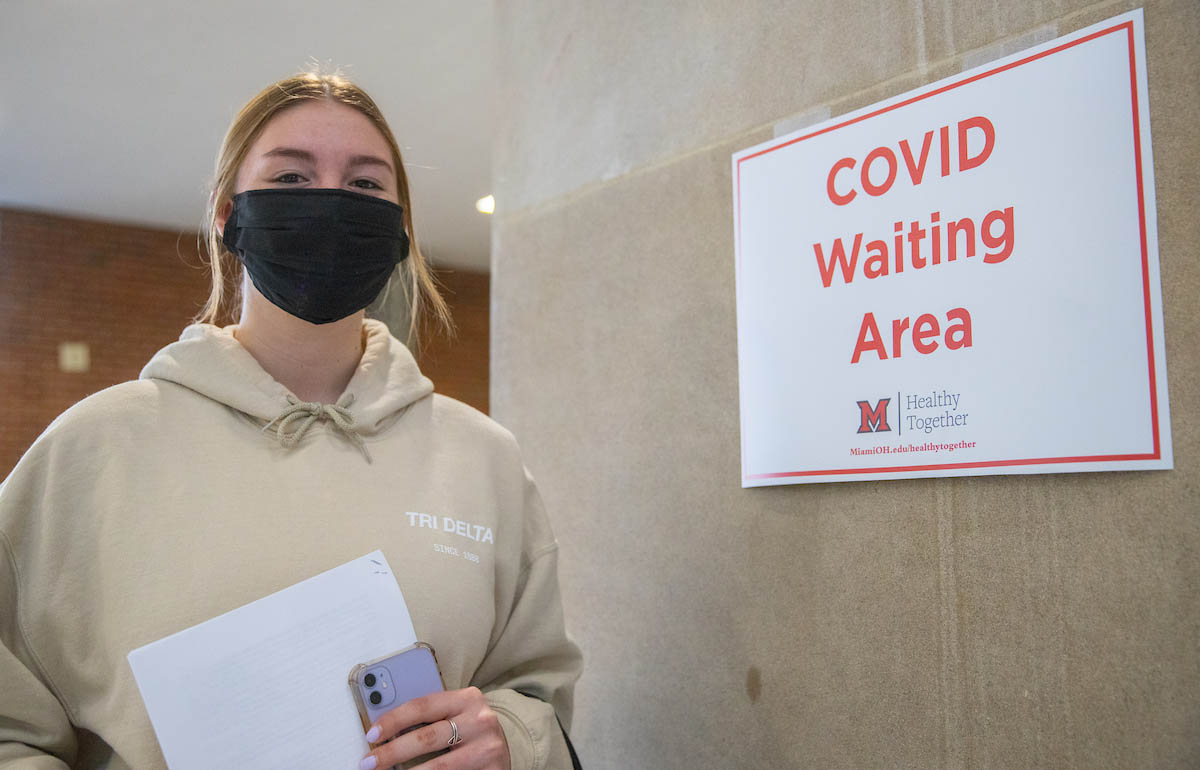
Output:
x=115 y=109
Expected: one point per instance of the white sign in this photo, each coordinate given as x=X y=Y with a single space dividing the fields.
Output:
x=961 y=280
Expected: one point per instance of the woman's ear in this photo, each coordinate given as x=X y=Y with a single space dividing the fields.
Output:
x=223 y=217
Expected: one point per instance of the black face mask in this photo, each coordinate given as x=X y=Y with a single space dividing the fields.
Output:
x=319 y=254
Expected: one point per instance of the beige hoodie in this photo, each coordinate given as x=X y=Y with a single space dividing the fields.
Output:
x=157 y=504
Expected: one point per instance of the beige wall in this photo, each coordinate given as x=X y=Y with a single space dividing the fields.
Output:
x=1027 y=622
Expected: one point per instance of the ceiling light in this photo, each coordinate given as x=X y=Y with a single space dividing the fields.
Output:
x=485 y=205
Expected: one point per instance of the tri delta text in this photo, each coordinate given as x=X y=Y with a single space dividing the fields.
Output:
x=915 y=244
x=921 y=411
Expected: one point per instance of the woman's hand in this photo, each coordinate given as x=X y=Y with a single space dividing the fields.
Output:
x=481 y=744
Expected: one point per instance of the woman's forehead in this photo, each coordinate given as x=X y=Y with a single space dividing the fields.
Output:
x=322 y=128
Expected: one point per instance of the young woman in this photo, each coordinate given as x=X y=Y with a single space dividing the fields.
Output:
x=249 y=457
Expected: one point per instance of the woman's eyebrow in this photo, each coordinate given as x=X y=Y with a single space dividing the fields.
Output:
x=290 y=152
x=305 y=155
x=369 y=160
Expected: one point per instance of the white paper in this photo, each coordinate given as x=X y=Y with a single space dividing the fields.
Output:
x=266 y=685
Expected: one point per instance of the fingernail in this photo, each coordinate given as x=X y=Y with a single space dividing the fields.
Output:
x=368 y=763
x=372 y=736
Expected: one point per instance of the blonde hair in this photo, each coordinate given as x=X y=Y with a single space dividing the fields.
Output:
x=417 y=279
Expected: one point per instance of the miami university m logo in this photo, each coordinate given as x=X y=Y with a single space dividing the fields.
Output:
x=873 y=420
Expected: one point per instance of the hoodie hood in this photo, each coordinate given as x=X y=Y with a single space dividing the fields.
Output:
x=210 y=361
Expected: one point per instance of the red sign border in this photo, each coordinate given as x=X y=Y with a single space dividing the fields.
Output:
x=1127 y=26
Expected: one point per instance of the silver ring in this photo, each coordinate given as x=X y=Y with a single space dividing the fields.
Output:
x=455 y=738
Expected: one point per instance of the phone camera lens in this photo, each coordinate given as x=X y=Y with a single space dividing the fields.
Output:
x=375 y=698
x=369 y=680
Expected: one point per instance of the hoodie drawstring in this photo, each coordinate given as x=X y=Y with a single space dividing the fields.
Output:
x=310 y=412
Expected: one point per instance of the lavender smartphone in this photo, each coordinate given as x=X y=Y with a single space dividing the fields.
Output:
x=381 y=685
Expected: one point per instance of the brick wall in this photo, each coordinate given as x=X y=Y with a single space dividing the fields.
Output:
x=128 y=291
x=459 y=366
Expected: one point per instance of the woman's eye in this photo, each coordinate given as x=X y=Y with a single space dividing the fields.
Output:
x=286 y=178
x=370 y=185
